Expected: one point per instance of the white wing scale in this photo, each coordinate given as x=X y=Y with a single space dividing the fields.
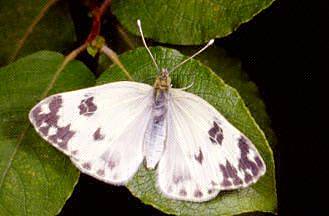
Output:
x=100 y=128
x=204 y=153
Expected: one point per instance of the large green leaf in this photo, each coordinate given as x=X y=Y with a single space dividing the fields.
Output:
x=186 y=22
x=258 y=197
x=55 y=31
x=35 y=179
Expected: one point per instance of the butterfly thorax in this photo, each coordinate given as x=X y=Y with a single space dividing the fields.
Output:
x=163 y=81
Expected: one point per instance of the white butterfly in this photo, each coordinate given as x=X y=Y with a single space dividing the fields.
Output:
x=109 y=130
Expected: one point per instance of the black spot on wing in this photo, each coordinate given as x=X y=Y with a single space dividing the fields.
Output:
x=250 y=168
x=212 y=140
x=199 y=157
x=62 y=136
x=247 y=178
x=213 y=131
x=243 y=145
x=230 y=175
x=216 y=134
x=37 y=117
x=55 y=104
x=45 y=121
x=259 y=162
x=44 y=130
x=198 y=193
x=179 y=178
x=97 y=135
x=182 y=192
x=111 y=164
x=87 y=107
x=86 y=165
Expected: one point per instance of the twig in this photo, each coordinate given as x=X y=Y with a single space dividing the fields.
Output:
x=71 y=56
x=96 y=25
x=114 y=57
x=98 y=12
x=125 y=37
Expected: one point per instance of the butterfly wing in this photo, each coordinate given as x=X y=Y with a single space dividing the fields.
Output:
x=204 y=153
x=100 y=128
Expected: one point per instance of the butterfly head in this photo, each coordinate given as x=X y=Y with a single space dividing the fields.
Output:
x=163 y=80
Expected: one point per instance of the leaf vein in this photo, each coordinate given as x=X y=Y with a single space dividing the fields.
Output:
x=30 y=29
x=45 y=174
x=20 y=138
x=24 y=190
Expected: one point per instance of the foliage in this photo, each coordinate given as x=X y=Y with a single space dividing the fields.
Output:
x=35 y=179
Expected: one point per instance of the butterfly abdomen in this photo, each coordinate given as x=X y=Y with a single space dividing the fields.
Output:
x=156 y=130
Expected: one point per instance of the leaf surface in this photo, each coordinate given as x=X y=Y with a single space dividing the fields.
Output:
x=186 y=22
x=35 y=179
x=54 y=31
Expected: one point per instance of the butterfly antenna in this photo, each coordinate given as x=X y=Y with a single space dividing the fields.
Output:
x=139 y=24
x=195 y=54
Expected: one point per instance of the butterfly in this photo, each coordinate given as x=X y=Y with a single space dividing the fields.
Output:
x=108 y=131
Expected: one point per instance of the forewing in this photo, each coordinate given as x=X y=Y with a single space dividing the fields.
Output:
x=100 y=128
x=204 y=153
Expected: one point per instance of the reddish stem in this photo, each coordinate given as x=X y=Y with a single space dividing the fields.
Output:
x=97 y=13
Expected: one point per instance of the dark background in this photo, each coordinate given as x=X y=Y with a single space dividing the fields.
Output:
x=285 y=52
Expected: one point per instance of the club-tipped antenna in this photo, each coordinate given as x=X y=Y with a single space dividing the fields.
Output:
x=139 y=24
x=195 y=54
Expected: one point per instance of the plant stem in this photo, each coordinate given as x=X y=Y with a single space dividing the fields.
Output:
x=71 y=56
x=114 y=57
x=96 y=25
x=125 y=37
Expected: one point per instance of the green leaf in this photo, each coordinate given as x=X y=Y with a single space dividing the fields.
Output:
x=55 y=31
x=186 y=22
x=258 y=197
x=35 y=179
x=229 y=69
